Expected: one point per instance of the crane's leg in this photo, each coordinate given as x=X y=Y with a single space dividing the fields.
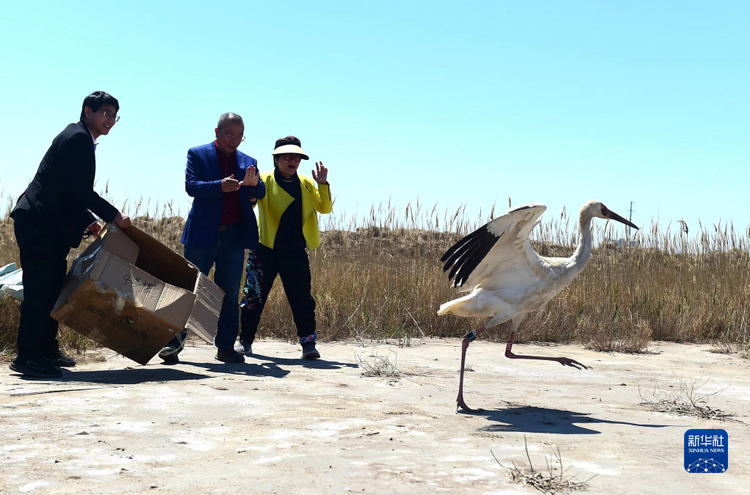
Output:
x=465 y=345
x=562 y=360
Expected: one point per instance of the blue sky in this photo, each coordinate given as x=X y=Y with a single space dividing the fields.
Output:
x=443 y=102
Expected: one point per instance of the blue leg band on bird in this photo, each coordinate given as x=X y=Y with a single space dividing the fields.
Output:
x=471 y=335
x=309 y=338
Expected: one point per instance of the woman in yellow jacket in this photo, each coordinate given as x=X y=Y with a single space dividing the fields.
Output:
x=288 y=223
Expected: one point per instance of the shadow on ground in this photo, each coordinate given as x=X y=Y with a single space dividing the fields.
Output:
x=130 y=376
x=318 y=364
x=260 y=365
x=529 y=419
x=247 y=369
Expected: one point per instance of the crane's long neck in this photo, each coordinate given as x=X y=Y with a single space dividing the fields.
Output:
x=583 y=252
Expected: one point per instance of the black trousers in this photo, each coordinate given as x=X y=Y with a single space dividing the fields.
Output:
x=294 y=269
x=44 y=263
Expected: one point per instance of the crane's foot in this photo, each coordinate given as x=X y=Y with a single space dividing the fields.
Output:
x=460 y=404
x=562 y=360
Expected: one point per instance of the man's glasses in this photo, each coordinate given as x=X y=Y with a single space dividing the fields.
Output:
x=233 y=137
x=110 y=116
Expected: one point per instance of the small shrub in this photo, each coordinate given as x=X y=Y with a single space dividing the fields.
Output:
x=555 y=480
x=687 y=400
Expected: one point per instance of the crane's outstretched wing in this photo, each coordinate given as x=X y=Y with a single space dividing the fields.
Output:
x=480 y=255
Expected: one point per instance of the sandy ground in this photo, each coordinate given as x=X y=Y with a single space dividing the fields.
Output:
x=278 y=424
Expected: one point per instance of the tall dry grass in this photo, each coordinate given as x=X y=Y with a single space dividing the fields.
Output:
x=379 y=278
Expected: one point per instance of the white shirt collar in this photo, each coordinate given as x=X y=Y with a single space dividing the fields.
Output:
x=92 y=137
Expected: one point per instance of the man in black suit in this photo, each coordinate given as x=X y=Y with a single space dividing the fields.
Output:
x=51 y=217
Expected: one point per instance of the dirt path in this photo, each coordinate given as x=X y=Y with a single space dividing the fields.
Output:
x=280 y=425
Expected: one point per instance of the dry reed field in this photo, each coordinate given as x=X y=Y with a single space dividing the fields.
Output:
x=379 y=279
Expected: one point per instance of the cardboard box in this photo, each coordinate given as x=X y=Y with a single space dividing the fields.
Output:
x=131 y=293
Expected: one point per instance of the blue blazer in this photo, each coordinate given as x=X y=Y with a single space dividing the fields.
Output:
x=203 y=182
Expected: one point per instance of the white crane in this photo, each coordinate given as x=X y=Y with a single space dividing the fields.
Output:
x=506 y=278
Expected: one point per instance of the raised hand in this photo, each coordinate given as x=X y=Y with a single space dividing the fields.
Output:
x=251 y=177
x=321 y=177
x=230 y=184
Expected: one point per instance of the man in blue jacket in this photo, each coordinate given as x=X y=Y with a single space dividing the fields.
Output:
x=221 y=225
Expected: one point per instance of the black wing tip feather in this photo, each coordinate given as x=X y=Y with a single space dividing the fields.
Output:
x=472 y=260
x=463 y=251
x=481 y=231
x=524 y=207
x=529 y=206
x=464 y=256
x=461 y=243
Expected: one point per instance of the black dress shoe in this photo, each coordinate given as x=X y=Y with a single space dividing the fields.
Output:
x=169 y=354
x=34 y=368
x=60 y=359
x=229 y=356
x=169 y=358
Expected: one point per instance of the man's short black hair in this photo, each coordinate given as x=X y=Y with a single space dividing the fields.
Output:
x=96 y=99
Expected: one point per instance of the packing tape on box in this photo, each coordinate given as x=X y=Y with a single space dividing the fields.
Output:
x=122 y=298
x=78 y=263
x=119 y=304
x=118 y=298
